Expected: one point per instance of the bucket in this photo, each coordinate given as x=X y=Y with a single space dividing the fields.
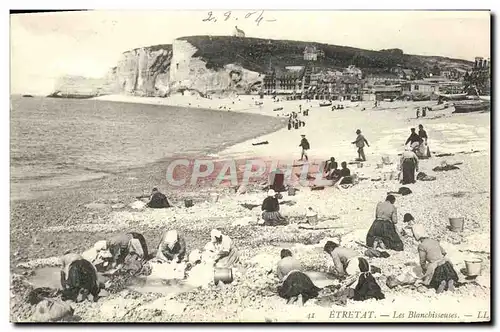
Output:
x=188 y=203
x=223 y=274
x=380 y=165
x=473 y=266
x=457 y=224
x=291 y=191
x=214 y=197
x=360 y=165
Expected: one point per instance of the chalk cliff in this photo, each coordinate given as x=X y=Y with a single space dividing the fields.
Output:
x=164 y=69
x=144 y=71
x=224 y=64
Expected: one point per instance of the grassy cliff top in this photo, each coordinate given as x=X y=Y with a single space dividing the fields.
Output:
x=257 y=54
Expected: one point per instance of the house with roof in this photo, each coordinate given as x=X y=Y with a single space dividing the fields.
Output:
x=403 y=73
x=279 y=81
x=381 y=92
x=382 y=79
x=352 y=71
x=420 y=89
x=455 y=74
x=312 y=53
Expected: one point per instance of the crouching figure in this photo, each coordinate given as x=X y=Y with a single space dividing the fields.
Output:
x=78 y=279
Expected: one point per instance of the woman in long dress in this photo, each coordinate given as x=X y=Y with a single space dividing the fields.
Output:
x=80 y=281
x=221 y=249
x=172 y=247
x=270 y=210
x=438 y=270
x=383 y=232
x=408 y=165
x=294 y=283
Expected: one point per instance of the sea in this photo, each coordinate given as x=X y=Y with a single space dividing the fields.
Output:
x=54 y=142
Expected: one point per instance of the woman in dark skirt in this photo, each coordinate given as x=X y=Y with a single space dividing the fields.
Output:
x=271 y=208
x=438 y=270
x=295 y=284
x=123 y=244
x=367 y=287
x=409 y=165
x=80 y=282
x=383 y=233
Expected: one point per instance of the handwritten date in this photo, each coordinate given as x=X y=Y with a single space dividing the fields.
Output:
x=258 y=17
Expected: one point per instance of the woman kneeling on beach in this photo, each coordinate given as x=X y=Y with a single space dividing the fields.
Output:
x=349 y=264
x=172 y=247
x=78 y=279
x=118 y=249
x=438 y=270
x=383 y=233
x=222 y=250
x=345 y=260
x=271 y=208
x=294 y=283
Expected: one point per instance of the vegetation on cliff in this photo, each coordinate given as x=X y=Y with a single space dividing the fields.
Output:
x=259 y=54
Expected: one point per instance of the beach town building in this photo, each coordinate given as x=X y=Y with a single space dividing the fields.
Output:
x=456 y=74
x=279 y=81
x=481 y=63
x=403 y=73
x=382 y=92
x=325 y=86
x=382 y=79
x=451 y=87
x=480 y=76
x=420 y=89
x=353 y=71
x=238 y=32
x=312 y=53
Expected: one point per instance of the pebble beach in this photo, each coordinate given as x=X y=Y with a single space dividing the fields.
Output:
x=58 y=225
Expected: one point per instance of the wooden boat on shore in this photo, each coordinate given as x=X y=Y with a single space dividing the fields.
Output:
x=469 y=106
x=439 y=107
x=325 y=104
x=452 y=96
x=58 y=94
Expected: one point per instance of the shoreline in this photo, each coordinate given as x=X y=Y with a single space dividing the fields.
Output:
x=350 y=211
x=45 y=183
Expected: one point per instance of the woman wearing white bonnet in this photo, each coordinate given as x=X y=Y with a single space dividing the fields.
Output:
x=270 y=210
x=438 y=270
x=172 y=247
x=222 y=249
x=98 y=254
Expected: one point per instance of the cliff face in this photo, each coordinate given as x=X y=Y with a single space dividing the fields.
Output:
x=190 y=72
x=144 y=71
x=164 y=69
x=232 y=64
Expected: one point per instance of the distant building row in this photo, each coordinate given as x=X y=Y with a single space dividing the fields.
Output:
x=348 y=85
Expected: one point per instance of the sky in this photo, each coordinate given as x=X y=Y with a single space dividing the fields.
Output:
x=48 y=45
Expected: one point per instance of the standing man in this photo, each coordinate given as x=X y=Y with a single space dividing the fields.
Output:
x=304 y=144
x=422 y=133
x=360 y=143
